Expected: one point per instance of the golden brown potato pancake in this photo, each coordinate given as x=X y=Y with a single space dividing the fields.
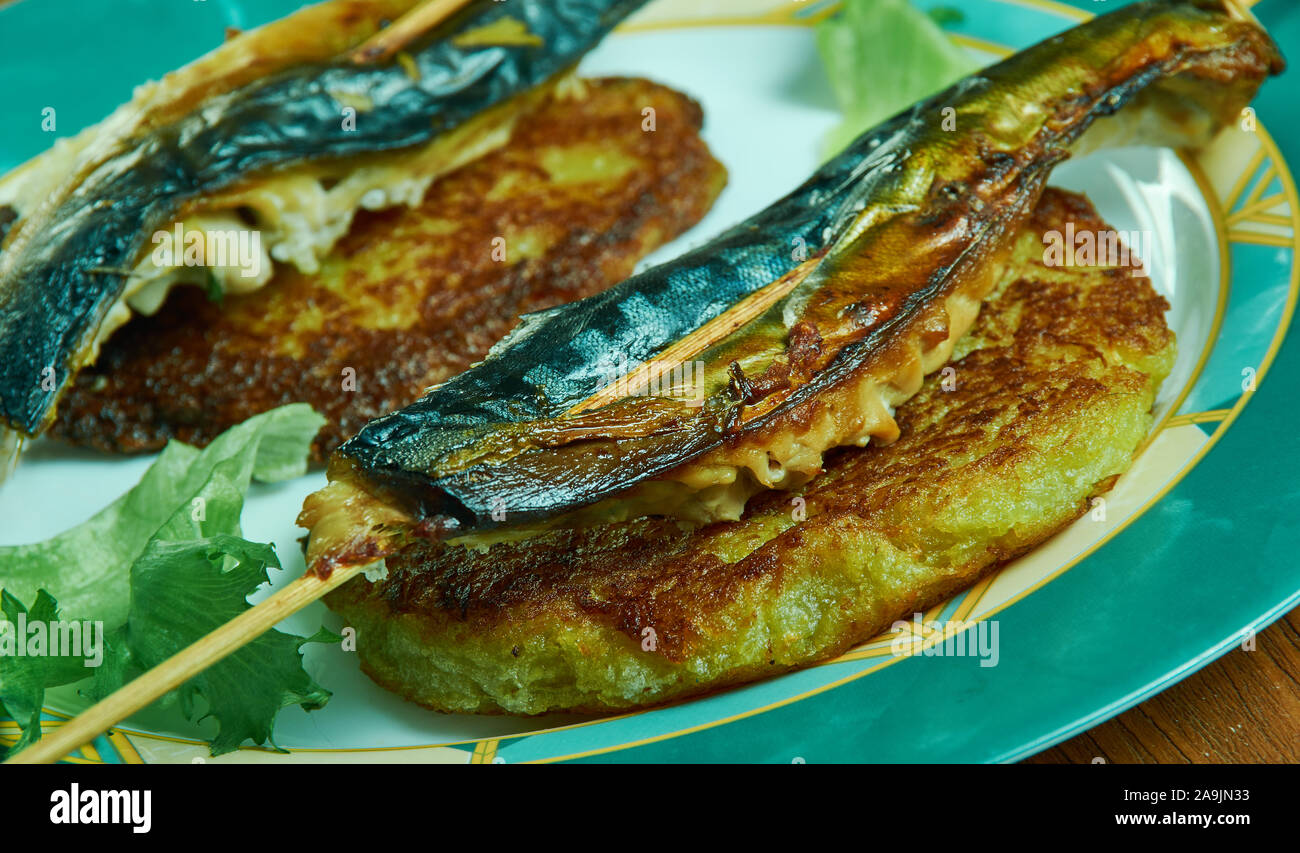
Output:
x=1049 y=399
x=412 y=296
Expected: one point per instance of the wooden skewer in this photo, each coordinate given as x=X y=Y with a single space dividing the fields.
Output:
x=1240 y=9
x=182 y=666
x=699 y=340
x=412 y=25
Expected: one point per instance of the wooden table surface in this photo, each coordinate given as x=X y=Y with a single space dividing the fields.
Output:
x=1243 y=708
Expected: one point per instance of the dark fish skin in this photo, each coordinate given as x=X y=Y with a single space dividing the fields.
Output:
x=411 y=296
x=60 y=269
x=500 y=434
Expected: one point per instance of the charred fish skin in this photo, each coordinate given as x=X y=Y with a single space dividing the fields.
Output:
x=62 y=269
x=902 y=218
x=634 y=318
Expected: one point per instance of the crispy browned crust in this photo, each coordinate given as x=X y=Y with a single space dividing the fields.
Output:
x=412 y=296
x=1053 y=388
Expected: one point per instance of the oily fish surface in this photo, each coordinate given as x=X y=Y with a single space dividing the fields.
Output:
x=1052 y=397
x=413 y=295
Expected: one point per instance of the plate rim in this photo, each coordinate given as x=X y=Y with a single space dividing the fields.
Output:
x=486 y=747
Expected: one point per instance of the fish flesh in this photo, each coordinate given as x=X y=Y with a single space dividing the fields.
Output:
x=1049 y=398
x=300 y=94
x=411 y=296
x=809 y=323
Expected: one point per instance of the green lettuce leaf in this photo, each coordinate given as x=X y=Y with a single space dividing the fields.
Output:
x=882 y=56
x=160 y=567
x=23 y=680
x=180 y=593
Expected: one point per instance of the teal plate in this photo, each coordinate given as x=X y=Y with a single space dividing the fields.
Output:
x=1196 y=554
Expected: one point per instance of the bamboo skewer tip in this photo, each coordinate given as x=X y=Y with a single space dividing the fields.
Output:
x=411 y=25
x=182 y=666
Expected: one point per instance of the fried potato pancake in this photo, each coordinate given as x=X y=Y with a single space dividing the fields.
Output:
x=1049 y=399
x=412 y=296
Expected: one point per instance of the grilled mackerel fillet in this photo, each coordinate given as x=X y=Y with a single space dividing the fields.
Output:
x=1053 y=392
x=413 y=295
x=288 y=129
x=799 y=352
